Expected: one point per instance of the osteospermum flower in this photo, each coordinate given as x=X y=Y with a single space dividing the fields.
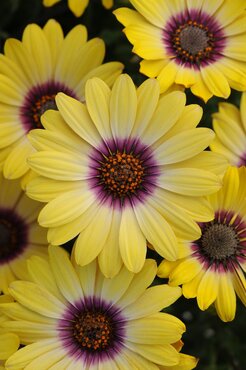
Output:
x=123 y=168
x=212 y=267
x=32 y=72
x=20 y=235
x=230 y=126
x=72 y=317
x=197 y=44
x=78 y=6
x=9 y=342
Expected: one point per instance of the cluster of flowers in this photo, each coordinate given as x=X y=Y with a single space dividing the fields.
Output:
x=121 y=169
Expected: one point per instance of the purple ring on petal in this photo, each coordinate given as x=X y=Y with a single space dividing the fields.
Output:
x=39 y=99
x=13 y=235
x=194 y=38
x=92 y=330
x=242 y=160
x=123 y=172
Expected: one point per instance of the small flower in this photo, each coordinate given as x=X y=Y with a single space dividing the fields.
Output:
x=212 y=268
x=197 y=44
x=72 y=317
x=20 y=235
x=32 y=72
x=126 y=167
x=78 y=6
x=230 y=126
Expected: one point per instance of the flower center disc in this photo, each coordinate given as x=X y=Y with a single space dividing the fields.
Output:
x=13 y=238
x=122 y=174
x=38 y=100
x=7 y=236
x=193 y=39
x=93 y=331
x=40 y=106
x=219 y=241
x=193 y=42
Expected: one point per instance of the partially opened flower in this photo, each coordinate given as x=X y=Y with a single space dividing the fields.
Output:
x=123 y=168
x=198 y=44
x=78 y=6
x=229 y=125
x=9 y=342
x=32 y=72
x=20 y=235
x=72 y=317
x=213 y=267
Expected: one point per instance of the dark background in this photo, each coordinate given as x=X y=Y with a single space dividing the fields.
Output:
x=220 y=346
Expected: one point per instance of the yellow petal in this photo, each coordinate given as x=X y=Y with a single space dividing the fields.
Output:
x=97 y=101
x=208 y=289
x=185 y=271
x=9 y=344
x=162 y=354
x=169 y=106
x=16 y=165
x=65 y=275
x=155 y=329
x=215 y=81
x=184 y=145
x=123 y=107
x=157 y=231
x=109 y=259
x=90 y=243
x=225 y=303
x=36 y=43
x=189 y=181
x=152 y=300
x=78 y=6
x=65 y=208
x=133 y=244
x=139 y=284
x=33 y=297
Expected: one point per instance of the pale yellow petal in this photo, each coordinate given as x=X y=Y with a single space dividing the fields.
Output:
x=65 y=275
x=109 y=259
x=123 y=107
x=97 y=101
x=66 y=207
x=157 y=231
x=139 y=284
x=90 y=243
x=32 y=296
x=152 y=300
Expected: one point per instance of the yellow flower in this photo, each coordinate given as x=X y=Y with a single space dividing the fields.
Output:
x=72 y=317
x=125 y=167
x=198 y=44
x=9 y=342
x=230 y=126
x=212 y=267
x=32 y=72
x=20 y=235
x=78 y=6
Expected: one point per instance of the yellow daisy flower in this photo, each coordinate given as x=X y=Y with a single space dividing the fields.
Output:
x=198 y=44
x=230 y=126
x=78 y=6
x=32 y=72
x=20 y=235
x=126 y=167
x=72 y=317
x=9 y=342
x=212 y=267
